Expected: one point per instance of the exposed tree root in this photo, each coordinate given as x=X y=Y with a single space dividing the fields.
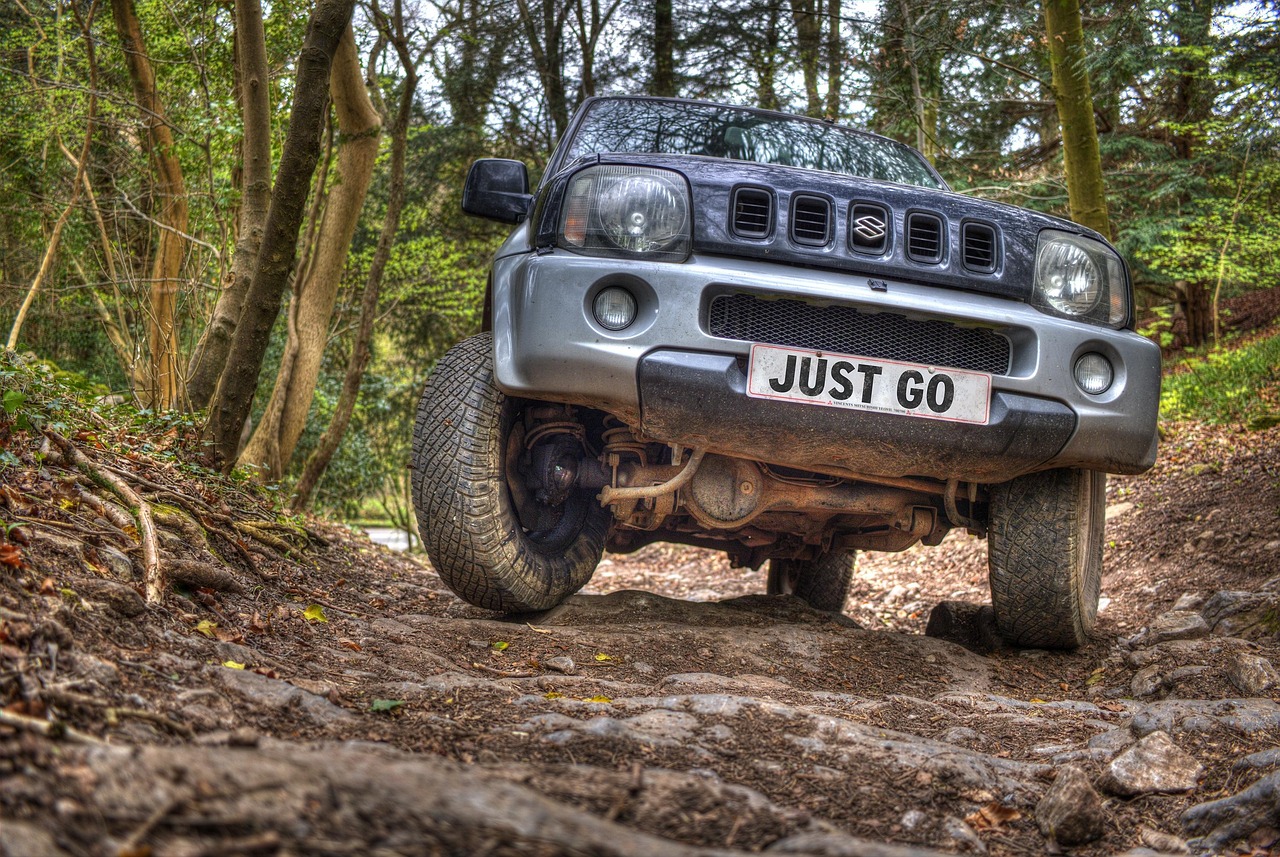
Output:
x=151 y=570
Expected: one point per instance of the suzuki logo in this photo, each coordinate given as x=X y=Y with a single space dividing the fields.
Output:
x=869 y=227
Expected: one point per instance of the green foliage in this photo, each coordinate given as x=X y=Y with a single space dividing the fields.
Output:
x=1240 y=386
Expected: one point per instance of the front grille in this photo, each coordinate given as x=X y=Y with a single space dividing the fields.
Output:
x=925 y=238
x=811 y=221
x=978 y=241
x=869 y=228
x=752 y=213
x=845 y=330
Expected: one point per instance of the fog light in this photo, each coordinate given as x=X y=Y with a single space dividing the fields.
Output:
x=1094 y=373
x=614 y=308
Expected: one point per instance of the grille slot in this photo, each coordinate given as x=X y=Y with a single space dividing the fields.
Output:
x=811 y=221
x=979 y=247
x=926 y=240
x=846 y=330
x=752 y=213
x=869 y=228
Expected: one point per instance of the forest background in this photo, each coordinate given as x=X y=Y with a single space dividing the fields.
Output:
x=252 y=211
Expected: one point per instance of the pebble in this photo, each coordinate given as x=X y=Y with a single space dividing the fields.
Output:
x=1176 y=625
x=1071 y=811
x=1252 y=675
x=1146 y=681
x=1153 y=765
x=562 y=664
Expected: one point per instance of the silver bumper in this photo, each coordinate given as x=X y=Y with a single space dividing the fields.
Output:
x=548 y=346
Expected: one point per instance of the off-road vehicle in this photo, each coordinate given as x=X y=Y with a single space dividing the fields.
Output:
x=789 y=341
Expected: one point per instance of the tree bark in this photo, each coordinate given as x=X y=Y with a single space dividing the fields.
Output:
x=318 y=461
x=807 y=16
x=164 y=383
x=276 y=437
x=664 y=48
x=835 y=60
x=1081 y=158
x=544 y=37
x=255 y=105
x=239 y=380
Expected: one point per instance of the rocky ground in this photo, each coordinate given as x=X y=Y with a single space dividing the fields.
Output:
x=293 y=689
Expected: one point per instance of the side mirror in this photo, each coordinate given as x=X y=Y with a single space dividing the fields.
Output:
x=498 y=189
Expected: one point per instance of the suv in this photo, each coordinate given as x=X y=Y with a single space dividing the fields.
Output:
x=789 y=341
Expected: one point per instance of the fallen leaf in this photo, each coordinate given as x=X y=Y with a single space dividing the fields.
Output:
x=602 y=657
x=553 y=694
x=11 y=555
x=385 y=705
x=208 y=628
x=500 y=646
x=598 y=698
x=235 y=665
x=314 y=613
x=350 y=644
x=992 y=816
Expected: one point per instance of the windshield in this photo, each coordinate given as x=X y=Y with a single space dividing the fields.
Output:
x=694 y=128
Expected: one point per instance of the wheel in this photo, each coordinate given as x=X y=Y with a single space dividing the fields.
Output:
x=822 y=583
x=1044 y=550
x=469 y=492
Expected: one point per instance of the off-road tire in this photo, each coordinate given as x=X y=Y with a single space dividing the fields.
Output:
x=822 y=583
x=466 y=516
x=1044 y=550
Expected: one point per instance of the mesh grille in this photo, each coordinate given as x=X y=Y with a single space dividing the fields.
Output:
x=811 y=221
x=752 y=213
x=979 y=242
x=845 y=330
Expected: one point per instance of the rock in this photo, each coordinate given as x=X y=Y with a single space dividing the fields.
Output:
x=1152 y=765
x=1071 y=811
x=561 y=664
x=1188 y=601
x=1217 y=824
x=27 y=840
x=1176 y=625
x=1252 y=615
x=1161 y=842
x=1146 y=681
x=116 y=597
x=970 y=625
x=273 y=693
x=1252 y=675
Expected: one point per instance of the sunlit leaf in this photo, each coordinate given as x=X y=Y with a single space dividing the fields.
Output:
x=500 y=646
x=208 y=628
x=602 y=657
x=235 y=665
x=314 y=613
x=599 y=698
x=553 y=694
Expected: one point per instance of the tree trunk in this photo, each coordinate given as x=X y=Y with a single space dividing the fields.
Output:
x=544 y=37
x=239 y=380
x=807 y=16
x=318 y=461
x=765 y=63
x=1197 y=310
x=1081 y=159
x=664 y=49
x=255 y=105
x=164 y=383
x=276 y=437
x=835 y=60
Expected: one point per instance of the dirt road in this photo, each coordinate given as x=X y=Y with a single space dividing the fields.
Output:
x=321 y=695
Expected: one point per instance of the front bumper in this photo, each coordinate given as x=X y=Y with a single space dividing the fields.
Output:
x=680 y=384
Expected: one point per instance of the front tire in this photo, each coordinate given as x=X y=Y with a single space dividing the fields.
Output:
x=1044 y=549
x=822 y=583
x=462 y=442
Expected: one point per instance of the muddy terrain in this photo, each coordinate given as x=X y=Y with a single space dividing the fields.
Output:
x=259 y=685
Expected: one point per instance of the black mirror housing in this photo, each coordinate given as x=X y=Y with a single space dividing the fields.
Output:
x=497 y=189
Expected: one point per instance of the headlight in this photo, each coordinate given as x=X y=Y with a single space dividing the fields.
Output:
x=1079 y=277
x=627 y=211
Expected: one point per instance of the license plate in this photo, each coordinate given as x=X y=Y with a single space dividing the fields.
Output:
x=867 y=384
